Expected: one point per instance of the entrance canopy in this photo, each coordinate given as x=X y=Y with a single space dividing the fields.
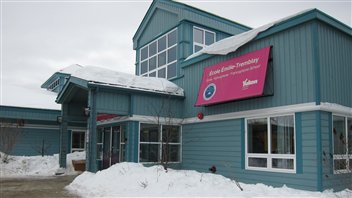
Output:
x=91 y=75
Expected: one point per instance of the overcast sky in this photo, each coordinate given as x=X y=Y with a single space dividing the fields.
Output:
x=39 y=38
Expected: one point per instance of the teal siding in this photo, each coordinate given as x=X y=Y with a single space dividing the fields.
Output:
x=157 y=105
x=293 y=73
x=30 y=142
x=213 y=143
x=160 y=22
x=163 y=15
x=28 y=113
x=335 y=49
x=132 y=147
x=108 y=102
x=331 y=180
x=221 y=144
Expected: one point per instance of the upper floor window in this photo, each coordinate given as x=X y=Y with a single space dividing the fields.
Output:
x=202 y=38
x=159 y=58
x=270 y=144
x=342 y=141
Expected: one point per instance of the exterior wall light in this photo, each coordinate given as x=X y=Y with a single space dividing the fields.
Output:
x=87 y=111
x=59 y=119
x=200 y=116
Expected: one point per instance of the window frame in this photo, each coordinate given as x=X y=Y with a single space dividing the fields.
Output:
x=150 y=73
x=202 y=45
x=269 y=156
x=346 y=156
x=84 y=141
x=160 y=143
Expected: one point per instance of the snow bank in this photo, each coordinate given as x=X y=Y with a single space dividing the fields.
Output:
x=19 y=166
x=131 y=179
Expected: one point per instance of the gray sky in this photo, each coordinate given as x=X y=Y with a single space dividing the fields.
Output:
x=39 y=38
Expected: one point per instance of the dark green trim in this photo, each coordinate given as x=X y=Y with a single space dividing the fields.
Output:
x=330 y=154
x=63 y=136
x=131 y=108
x=155 y=38
x=113 y=89
x=91 y=151
x=69 y=85
x=136 y=140
x=29 y=113
x=243 y=144
x=314 y=14
x=299 y=157
x=182 y=6
x=316 y=62
x=214 y=16
x=319 y=151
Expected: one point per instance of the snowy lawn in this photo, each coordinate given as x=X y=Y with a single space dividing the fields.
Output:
x=131 y=179
x=19 y=166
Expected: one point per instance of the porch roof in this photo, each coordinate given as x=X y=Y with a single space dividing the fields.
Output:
x=92 y=75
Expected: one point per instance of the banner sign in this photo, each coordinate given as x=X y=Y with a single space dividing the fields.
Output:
x=238 y=78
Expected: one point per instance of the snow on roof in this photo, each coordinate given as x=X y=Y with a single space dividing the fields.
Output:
x=102 y=76
x=70 y=69
x=231 y=44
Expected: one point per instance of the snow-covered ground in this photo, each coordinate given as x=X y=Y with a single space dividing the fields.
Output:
x=132 y=179
x=19 y=166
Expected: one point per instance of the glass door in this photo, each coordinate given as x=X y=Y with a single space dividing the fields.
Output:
x=108 y=146
x=115 y=145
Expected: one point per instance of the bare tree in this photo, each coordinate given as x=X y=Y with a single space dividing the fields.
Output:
x=42 y=148
x=9 y=135
x=165 y=115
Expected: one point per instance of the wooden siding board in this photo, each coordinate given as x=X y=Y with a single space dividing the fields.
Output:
x=160 y=22
x=108 y=102
x=335 y=61
x=201 y=149
x=30 y=142
x=288 y=66
x=28 y=113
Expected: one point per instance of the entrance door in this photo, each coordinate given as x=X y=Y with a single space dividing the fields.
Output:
x=111 y=146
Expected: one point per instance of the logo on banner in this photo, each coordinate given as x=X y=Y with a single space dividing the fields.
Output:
x=246 y=83
x=209 y=92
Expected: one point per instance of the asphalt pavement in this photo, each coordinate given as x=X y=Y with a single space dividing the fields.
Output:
x=36 y=187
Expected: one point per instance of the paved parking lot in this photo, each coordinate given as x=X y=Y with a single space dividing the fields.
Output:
x=35 y=187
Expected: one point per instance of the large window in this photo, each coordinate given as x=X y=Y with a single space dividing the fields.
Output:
x=159 y=58
x=202 y=38
x=342 y=140
x=270 y=144
x=159 y=143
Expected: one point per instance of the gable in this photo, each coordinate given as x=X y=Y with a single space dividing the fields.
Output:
x=163 y=15
x=160 y=22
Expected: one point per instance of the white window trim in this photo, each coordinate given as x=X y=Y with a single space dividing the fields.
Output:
x=269 y=156
x=159 y=143
x=156 y=54
x=203 y=45
x=345 y=156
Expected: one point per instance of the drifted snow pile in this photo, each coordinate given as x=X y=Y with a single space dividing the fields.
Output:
x=131 y=179
x=19 y=166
